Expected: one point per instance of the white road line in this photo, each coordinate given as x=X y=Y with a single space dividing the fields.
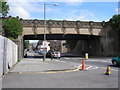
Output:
x=57 y=60
x=93 y=68
x=105 y=61
x=88 y=67
x=60 y=61
x=97 y=61
x=110 y=69
x=67 y=58
x=79 y=65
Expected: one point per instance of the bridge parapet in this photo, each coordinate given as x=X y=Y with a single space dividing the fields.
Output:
x=64 y=27
x=60 y=23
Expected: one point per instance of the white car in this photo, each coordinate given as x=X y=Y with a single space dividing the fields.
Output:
x=56 y=54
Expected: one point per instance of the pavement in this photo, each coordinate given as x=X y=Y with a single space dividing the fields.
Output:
x=0 y=83
x=37 y=65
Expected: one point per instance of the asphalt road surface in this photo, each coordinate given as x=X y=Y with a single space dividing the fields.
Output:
x=92 y=77
x=96 y=62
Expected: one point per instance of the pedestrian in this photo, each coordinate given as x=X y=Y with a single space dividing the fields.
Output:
x=51 y=54
x=25 y=53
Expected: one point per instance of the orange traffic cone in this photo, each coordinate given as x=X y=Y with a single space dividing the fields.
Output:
x=83 y=65
x=108 y=71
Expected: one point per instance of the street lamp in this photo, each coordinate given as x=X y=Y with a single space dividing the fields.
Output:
x=45 y=26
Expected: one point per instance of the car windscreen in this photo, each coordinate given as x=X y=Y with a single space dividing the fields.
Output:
x=56 y=52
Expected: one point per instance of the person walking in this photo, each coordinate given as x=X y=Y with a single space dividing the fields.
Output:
x=51 y=54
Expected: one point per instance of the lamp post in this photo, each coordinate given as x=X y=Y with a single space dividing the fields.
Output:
x=45 y=26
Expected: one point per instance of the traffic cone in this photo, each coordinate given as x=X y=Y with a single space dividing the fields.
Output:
x=108 y=71
x=83 y=65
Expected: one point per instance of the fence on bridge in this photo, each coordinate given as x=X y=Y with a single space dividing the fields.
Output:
x=8 y=54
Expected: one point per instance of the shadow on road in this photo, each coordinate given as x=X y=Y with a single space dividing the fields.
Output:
x=35 y=57
x=62 y=55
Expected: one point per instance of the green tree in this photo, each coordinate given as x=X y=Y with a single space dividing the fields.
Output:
x=12 y=27
x=4 y=8
x=115 y=24
x=26 y=44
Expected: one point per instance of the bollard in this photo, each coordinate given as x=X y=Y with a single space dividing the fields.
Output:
x=86 y=56
x=108 y=71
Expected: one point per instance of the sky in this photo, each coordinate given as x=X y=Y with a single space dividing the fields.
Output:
x=72 y=10
x=84 y=11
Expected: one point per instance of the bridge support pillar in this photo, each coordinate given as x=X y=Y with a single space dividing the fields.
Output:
x=0 y=32
x=63 y=47
x=19 y=42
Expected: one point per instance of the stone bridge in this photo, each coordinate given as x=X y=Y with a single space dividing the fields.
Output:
x=96 y=38
x=87 y=34
x=36 y=27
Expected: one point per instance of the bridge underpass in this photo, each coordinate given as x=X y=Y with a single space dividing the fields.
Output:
x=60 y=37
x=78 y=44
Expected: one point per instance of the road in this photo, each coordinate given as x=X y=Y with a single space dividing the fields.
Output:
x=96 y=62
x=93 y=77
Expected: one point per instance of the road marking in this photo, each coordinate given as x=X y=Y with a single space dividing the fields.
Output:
x=71 y=58
x=66 y=58
x=98 y=60
x=49 y=72
x=110 y=69
x=105 y=61
x=78 y=66
x=88 y=67
x=92 y=60
x=57 y=60
x=60 y=61
x=93 y=67
x=76 y=69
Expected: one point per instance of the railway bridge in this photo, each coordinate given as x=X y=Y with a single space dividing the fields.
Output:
x=85 y=36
